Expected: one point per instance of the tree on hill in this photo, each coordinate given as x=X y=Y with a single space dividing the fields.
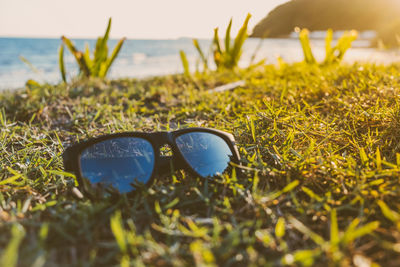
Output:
x=378 y=15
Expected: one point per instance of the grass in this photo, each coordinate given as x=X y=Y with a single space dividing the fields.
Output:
x=320 y=146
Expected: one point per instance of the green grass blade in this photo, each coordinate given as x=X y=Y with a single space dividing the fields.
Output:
x=217 y=49
x=101 y=51
x=334 y=233
x=280 y=228
x=78 y=56
x=107 y=33
x=82 y=63
x=238 y=44
x=114 y=54
x=228 y=37
x=69 y=45
x=100 y=56
x=216 y=41
x=118 y=231
x=102 y=43
x=306 y=45
x=306 y=257
x=388 y=213
x=329 y=52
x=185 y=63
x=363 y=156
x=311 y=194
x=61 y=63
x=347 y=236
x=328 y=41
x=202 y=57
x=10 y=254
x=344 y=43
x=363 y=230
x=97 y=49
x=290 y=186
x=29 y=64
x=86 y=55
x=306 y=231
x=378 y=159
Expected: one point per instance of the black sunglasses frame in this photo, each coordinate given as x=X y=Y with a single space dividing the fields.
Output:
x=162 y=164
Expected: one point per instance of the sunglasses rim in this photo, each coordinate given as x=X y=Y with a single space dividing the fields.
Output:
x=72 y=154
x=79 y=168
x=179 y=153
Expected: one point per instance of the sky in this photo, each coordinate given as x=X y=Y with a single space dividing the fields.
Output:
x=134 y=19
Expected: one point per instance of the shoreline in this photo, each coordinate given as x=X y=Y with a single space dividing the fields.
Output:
x=153 y=58
x=150 y=77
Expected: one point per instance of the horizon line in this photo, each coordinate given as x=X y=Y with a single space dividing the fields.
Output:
x=77 y=37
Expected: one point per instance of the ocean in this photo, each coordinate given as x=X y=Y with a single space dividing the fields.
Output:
x=144 y=58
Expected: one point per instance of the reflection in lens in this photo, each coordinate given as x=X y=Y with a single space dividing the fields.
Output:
x=118 y=162
x=207 y=153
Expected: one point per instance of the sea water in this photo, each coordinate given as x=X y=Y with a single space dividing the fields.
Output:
x=143 y=58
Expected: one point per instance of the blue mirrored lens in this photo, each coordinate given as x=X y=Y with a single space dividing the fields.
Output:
x=118 y=162
x=207 y=153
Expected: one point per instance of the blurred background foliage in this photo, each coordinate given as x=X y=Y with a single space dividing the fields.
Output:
x=99 y=64
x=226 y=53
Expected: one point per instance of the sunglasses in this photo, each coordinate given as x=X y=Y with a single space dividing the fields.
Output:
x=124 y=162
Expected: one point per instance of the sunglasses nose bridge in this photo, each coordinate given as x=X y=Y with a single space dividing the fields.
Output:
x=162 y=138
x=166 y=163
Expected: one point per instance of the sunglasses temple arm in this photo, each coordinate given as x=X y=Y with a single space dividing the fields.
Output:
x=66 y=156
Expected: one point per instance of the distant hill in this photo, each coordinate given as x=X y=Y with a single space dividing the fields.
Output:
x=382 y=16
